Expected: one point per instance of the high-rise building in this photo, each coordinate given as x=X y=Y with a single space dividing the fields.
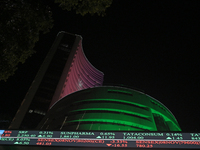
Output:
x=64 y=71
x=67 y=94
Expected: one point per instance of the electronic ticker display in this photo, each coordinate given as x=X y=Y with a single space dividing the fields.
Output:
x=101 y=139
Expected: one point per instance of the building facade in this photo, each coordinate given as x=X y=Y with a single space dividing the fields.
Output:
x=64 y=71
x=109 y=108
x=67 y=94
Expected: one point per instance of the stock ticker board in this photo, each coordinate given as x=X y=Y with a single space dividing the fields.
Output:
x=101 y=139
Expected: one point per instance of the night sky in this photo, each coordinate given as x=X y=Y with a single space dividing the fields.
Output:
x=147 y=45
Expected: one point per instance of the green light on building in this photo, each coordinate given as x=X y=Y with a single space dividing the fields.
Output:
x=109 y=109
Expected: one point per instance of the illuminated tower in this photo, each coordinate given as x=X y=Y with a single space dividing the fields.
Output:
x=67 y=94
x=109 y=108
x=65 y=70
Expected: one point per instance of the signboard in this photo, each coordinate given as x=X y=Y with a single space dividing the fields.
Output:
x=101 y=139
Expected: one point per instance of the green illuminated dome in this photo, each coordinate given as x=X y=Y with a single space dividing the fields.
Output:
x=109 y=108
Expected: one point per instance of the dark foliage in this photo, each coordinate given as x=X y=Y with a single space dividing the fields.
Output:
x=84 y=7
x=21 y=22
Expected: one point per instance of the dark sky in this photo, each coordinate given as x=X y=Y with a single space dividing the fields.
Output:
x=148 y=45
